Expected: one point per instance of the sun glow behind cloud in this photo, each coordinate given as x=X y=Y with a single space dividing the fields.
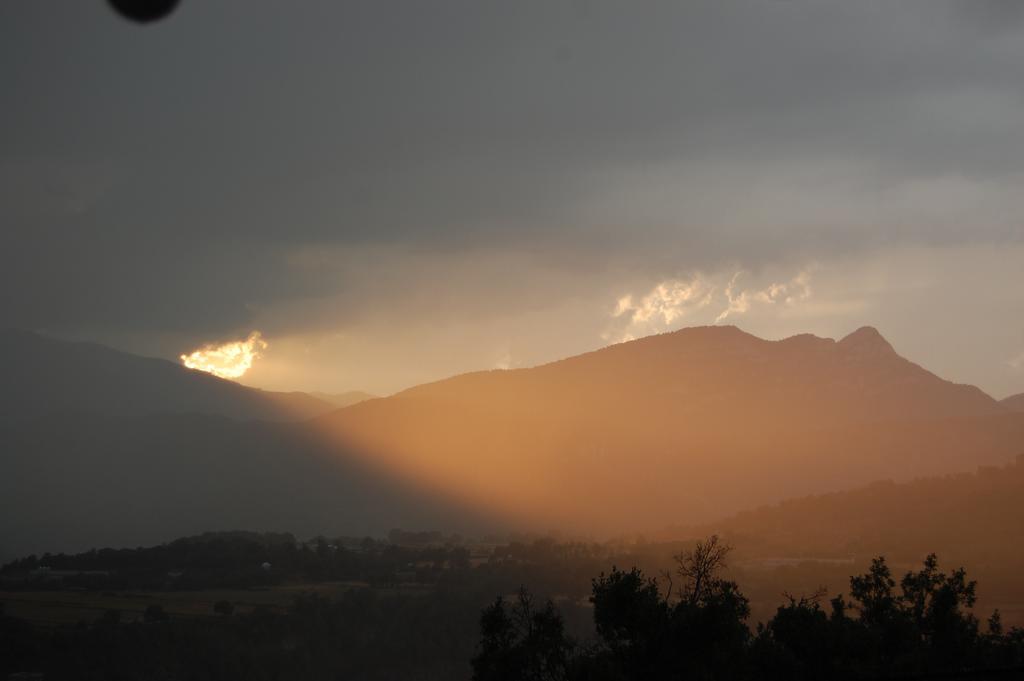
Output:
x=227 y=360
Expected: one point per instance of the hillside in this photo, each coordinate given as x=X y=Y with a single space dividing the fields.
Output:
x=964 y=516
x=1014 y=402
x=74 y=482
x=969 y=519
x=674 y=429
x=691 y=424
x=43 y=376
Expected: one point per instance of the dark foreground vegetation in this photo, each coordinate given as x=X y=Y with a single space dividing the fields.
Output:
x=698 y=630
x=275 y=608
x=409 y=608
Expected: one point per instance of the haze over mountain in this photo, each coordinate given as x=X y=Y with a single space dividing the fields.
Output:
x=963 y=516
x=43 y=376
x=673 y=429
x=801 y=545
x=695 y=423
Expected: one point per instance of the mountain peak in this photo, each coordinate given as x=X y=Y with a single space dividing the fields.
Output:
x=867 y=339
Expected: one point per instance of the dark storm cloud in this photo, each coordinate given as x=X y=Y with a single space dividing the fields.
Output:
x=158 y=178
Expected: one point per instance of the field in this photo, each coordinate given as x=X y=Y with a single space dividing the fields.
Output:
x=51 y=608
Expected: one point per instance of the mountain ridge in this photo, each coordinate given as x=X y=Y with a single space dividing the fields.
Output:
x=45 y=375
x=1014 y=402
x=681 y=427
x=864 y=344
x=731 y=415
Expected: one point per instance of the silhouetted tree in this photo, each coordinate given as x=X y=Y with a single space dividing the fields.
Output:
x=802 y=641
x=647 y=635
x=699 y=568
x=922 y=628
x=521 y=643
x=934 y=602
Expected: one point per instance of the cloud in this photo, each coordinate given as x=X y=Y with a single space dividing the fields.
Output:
x=227 y=360
x=675 y=302
x=839 y=127
x=430 y=315
x=667 y=302
x=796 y=290
x=544 y=173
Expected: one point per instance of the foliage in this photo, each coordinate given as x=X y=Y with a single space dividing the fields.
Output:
x=924 y=627
x=521 y=642
x=691 y=622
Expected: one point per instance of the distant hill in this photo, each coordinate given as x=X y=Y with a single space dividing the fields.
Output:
x=691 y=424
x=43 y=376
x=804 y=544
x=964 y=516
x=1014 y=402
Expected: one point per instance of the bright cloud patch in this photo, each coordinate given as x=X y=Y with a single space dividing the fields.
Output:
x=227 y=360
x=666 y=303
x=787 y=293
x=701 y=300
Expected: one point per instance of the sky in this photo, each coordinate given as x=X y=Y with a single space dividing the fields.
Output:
x=393 y=192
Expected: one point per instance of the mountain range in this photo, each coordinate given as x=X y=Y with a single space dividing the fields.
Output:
x=696 y=423
x=105 y=448
x=43 y=376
